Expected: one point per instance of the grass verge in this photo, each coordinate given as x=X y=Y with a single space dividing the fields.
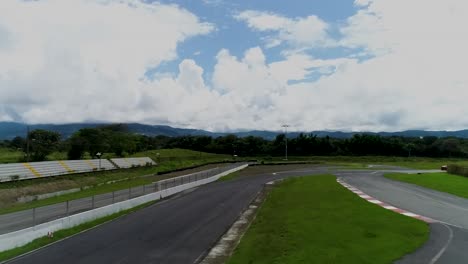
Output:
x=59 y=235
x=444 y=182
x=229 y=177
x=316 y=220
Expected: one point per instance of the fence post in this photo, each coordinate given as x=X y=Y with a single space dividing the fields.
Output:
x=34 y=216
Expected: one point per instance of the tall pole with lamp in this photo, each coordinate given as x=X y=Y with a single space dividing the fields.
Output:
x=99 y=154
x=286 y=141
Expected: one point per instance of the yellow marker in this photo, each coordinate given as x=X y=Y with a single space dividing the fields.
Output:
x=28 y=166
x=65 y=166
x=90 y=164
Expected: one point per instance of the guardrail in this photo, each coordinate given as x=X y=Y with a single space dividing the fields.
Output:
x=17 y=229
x=28 y=218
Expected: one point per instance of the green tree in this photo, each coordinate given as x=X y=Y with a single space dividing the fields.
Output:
x=41 y=144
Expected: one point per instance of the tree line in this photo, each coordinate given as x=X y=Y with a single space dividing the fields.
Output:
x=118 y=140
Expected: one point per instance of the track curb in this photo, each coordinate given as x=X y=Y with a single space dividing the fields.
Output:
x=384 y=205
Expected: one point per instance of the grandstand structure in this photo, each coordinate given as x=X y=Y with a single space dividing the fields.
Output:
x=32 y=170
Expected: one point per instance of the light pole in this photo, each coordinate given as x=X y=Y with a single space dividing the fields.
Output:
x=99 y=154
x=286 y=141
x=27 y=144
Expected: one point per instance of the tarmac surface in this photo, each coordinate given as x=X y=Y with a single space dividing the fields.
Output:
x=28 y=218
x=448 y=242
x=182 y=229
x=178 y=230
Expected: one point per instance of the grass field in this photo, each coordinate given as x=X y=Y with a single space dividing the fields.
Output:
x=10 y=156
x=316 y=220
x=444 y=182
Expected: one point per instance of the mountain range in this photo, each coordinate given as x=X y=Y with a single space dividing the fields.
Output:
x=9 y=130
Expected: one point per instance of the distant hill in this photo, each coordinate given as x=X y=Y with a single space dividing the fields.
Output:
x=9 y=130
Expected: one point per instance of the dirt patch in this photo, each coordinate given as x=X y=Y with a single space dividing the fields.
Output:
x=10 y=196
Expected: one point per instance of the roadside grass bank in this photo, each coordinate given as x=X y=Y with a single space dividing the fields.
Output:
x=444 y=182
x=62 y=234
x=316 y=220
x=229 y=177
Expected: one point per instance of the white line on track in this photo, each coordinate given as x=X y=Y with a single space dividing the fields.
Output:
x=436 y=257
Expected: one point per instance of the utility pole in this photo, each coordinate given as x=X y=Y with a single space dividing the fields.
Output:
x=286 y=141
x=27 y=144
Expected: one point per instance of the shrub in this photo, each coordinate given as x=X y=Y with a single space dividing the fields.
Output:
x=457 y=170
x=14 y=178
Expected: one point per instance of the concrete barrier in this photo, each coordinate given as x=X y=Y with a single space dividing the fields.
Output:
x=24 y=236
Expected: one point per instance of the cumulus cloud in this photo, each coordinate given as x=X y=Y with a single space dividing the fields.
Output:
x=418 y=65
x=68 y=61
x=310 y=31
x=57 y=67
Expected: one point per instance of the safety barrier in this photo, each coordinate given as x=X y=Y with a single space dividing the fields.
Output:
x=156 y=191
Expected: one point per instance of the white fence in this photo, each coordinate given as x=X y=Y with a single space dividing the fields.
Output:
x=31 y=170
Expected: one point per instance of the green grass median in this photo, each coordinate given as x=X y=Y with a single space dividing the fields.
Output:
x=444 y=182
x=316 y=220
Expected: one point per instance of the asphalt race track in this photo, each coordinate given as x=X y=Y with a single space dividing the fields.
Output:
x=182 y=229
x=449 y=238
x=178 y=230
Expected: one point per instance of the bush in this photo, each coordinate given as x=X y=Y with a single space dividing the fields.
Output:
x=14 y=178
x=457 y=170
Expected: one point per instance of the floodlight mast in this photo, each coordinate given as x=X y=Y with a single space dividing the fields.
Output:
x=286 y=141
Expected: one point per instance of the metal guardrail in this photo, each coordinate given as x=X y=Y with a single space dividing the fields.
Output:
x=35 y=216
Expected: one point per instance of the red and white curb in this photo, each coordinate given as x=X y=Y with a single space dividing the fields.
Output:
x=384 y=205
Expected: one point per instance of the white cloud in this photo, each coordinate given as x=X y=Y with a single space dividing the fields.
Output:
x=414 y=79
x=309 y=31
x=71 y=61
x=417 y=73
x=57 y=67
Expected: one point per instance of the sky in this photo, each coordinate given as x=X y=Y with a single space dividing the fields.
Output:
x=218 y=65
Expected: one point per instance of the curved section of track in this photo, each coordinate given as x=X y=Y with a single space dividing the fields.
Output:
x=449 y=237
